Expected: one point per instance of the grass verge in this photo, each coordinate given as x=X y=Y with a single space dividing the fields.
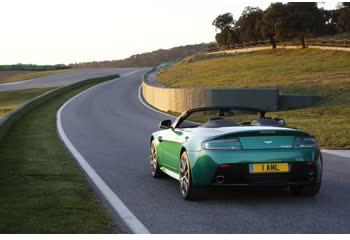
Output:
x=293 y=71
x=32 y=75
x=10 y=100
x=41 y=188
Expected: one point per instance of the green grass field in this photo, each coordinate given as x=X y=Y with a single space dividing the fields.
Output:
x=32 y=75
x=10 y=100
x=42 y=190
x=301 y=71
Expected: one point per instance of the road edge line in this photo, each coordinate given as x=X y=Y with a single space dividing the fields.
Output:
x=149 y=106
x=338 y=154
x=115 y=202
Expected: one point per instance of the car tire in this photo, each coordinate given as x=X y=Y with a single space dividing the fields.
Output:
x=188 y=192
x=309 y=190
x=153 y=159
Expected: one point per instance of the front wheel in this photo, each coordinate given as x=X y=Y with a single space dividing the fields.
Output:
x=186 y=189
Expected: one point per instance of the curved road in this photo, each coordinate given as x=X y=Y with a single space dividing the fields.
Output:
x=110 y=128
x=64 y=78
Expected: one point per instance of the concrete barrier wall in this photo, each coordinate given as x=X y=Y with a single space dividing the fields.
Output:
x=182 y=99
x=10 y=119
x=297 y=101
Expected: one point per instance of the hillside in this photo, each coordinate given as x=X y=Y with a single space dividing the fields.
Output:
x=302 y=71
x=150 y=59
x=267 y=68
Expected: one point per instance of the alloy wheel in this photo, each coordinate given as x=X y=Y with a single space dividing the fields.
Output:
x=184 y=175
x=153 y=159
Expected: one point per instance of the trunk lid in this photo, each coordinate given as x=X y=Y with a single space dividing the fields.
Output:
x=267 y=142
x=273 y=138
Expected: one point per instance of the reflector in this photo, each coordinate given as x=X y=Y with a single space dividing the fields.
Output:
x=223 y=166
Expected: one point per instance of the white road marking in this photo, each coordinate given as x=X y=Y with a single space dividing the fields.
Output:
x=14 y=83
x=150 y=107
x=341 y=153
x=126 y=215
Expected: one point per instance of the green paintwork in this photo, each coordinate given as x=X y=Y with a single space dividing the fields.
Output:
x=204 y=163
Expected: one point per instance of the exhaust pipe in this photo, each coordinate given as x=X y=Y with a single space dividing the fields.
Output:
x=220 y=179
x=311 y=176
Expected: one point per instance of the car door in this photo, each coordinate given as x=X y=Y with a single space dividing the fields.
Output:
x=170 y=142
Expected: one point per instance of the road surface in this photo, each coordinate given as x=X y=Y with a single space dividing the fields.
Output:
x=110 y=127
x=63 y=79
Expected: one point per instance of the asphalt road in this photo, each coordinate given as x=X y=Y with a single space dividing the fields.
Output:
x=63 y=79
x=111 y=129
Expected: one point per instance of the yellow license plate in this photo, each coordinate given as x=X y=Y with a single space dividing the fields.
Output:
x=269 y=168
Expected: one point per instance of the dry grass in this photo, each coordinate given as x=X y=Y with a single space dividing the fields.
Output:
x=281 y=68
x=10 y=100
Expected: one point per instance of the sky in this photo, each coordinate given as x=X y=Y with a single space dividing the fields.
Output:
x=71 y=31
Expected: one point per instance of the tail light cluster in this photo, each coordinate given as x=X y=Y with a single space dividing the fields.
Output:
x=229 y=144
x=235 y=144
x=305 y=142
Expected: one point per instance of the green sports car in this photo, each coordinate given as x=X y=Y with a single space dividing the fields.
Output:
x=235 y=146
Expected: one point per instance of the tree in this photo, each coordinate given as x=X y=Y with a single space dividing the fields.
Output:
x=249 y=24
x=224 y=21
x=329 y=23
x=304 y=17
x=275 y=23
x=346 y=4
x=294 y=19
x=227 y=38
x=227 y=35
x=343 y=17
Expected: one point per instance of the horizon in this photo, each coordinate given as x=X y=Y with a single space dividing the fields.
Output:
x=68 y=32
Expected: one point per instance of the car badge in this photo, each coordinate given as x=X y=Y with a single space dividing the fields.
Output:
x=267 y=142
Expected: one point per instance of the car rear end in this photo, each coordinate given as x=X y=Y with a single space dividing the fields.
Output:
x=276 y=157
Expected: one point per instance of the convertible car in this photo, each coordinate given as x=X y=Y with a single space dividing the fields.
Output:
x=235 y=146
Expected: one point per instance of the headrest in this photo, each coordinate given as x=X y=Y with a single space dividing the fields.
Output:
x=264 y=122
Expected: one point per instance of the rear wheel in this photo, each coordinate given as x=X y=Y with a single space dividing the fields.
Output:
x=156 y=172
x=306 y=190
x=186 y=189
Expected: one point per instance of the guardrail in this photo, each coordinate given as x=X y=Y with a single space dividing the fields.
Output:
x=342 y=43
x=339 y=43
x=10 y=119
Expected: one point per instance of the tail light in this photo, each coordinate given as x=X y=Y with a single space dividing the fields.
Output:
x=308 y=142
x=227 y=144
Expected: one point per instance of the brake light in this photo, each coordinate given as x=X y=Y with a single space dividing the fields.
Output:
x=224 y=166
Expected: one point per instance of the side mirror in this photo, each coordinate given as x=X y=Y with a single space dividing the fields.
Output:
x=165 y=124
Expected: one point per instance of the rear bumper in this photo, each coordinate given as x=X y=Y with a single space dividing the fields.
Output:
x=205 y=167
x=238 y=174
